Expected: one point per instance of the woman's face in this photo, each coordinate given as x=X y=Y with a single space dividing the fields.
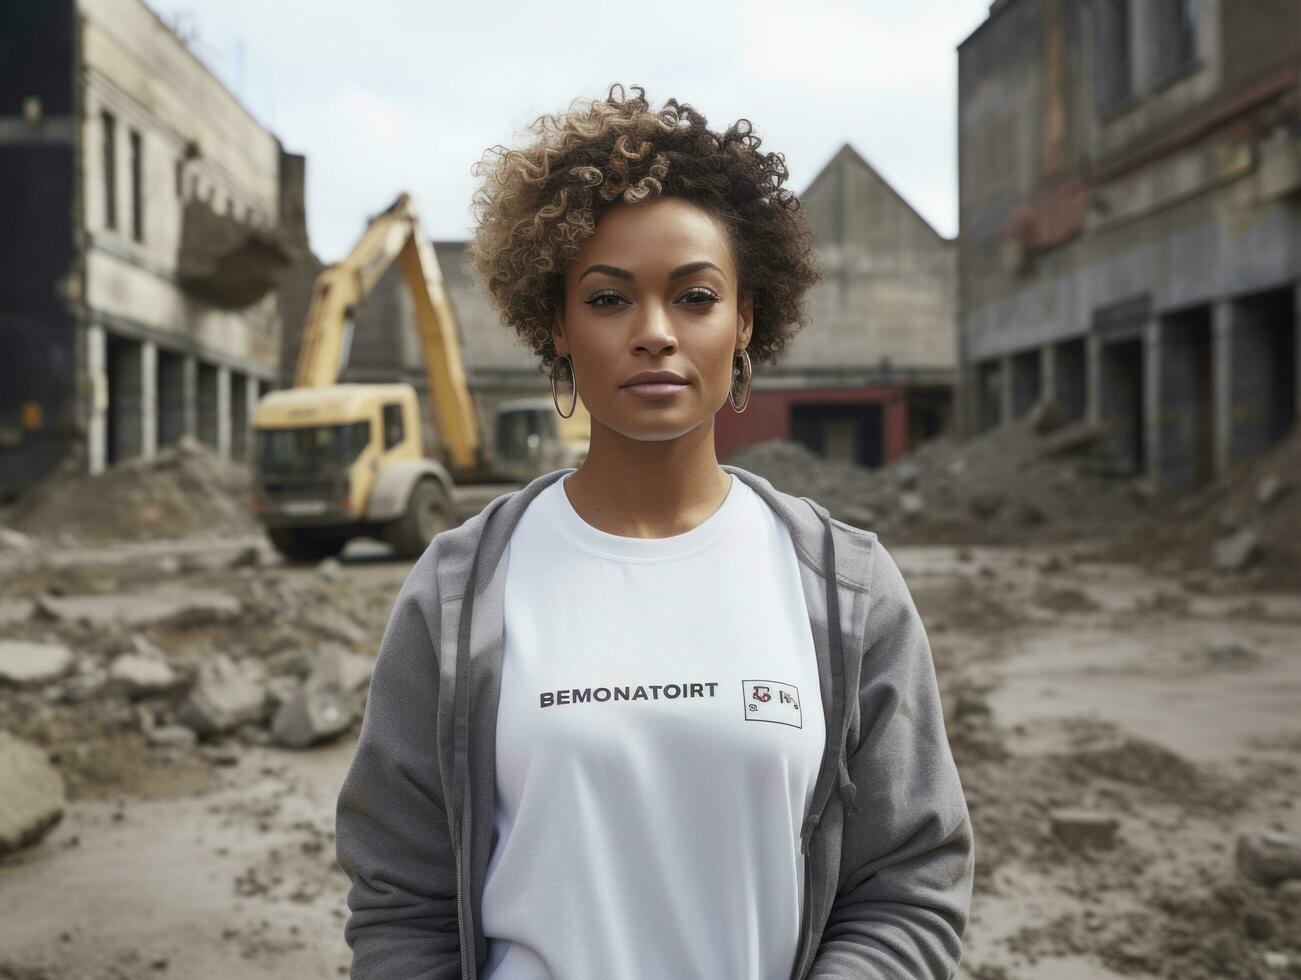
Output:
x=654 y=289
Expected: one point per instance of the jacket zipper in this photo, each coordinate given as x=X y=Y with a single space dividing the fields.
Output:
x=815 y=815
x=805 y=907
x=460 y=920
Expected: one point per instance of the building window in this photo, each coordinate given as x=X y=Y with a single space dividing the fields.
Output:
x=180 y=178
x=108 y=130
x=1113 y=78
x=137 y=186
x=1176 y=35
x=392 y=425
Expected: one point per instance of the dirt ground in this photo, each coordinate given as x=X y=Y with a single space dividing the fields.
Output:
x=1068 y=681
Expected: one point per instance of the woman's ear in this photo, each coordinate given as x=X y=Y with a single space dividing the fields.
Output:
x=744 y=321
x=558 y=332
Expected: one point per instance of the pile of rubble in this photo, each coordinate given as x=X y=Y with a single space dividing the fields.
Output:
x=1038 y=474
x=177 y=710
x=187 y=488
x=1247 y=524
x=177 y=673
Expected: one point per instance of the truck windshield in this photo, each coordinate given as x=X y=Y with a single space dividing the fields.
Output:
x=310 y=447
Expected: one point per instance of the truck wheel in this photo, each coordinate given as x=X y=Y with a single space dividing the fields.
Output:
x=306 y=544
x=429 y=511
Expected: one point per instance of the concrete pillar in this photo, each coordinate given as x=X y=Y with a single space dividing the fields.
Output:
x=1048 y=372
x=97 y=381
x=1222 y=382
x=190 y=396
x=1005 y=390
x=251 y=393
x=1152 y=401
x=223 y=411
x=148 y=399
x=1093 y=378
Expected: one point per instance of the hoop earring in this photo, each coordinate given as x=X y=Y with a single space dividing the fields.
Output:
x=573 y=379
x=744 y=371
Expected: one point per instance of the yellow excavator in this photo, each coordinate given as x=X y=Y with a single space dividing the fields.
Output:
x=336 y=461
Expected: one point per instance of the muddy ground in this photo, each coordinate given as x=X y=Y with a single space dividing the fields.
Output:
x=1168 y=703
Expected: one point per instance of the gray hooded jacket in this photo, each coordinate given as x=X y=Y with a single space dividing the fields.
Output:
x=889 y=865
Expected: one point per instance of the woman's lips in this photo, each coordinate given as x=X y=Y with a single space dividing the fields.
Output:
x=655 y=389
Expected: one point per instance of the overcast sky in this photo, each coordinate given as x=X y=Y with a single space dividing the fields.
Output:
x=392 y=95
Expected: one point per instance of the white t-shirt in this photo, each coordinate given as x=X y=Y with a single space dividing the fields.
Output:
x=659 y=734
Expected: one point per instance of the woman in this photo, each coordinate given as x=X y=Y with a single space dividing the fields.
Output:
x=651 y=717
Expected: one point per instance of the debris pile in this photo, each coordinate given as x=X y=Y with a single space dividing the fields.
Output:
x=108 y=685
x=187 y=488
x=1036 y=475
x=1247 y=524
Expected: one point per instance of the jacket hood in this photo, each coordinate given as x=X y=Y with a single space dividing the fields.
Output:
x=469 y=554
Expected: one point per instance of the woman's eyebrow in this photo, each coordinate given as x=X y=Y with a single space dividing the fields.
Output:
x=678 y=273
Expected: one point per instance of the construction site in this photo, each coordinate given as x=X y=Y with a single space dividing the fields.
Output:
x=1074 y=425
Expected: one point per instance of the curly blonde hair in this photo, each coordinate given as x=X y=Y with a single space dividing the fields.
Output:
x=538 y=204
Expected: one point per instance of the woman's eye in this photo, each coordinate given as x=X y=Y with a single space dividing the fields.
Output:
x=597 y=299
x=699 y=295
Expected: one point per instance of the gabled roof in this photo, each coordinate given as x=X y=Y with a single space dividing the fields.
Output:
x=848 y=156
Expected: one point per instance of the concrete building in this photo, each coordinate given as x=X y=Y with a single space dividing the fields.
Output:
x=871 y=374
x=149 y=221
x=873 y=371
x=1130 y=224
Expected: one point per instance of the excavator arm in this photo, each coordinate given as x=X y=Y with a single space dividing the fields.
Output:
x=327 y=336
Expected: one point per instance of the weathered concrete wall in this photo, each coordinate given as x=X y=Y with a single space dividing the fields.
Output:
x=136 y=69
x=889 y=278
x=1173 y=201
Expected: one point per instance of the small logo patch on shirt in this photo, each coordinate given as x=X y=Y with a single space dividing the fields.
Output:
x=772 y=701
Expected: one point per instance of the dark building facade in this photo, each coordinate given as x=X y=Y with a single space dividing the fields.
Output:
x=1130 y=224
x=148 y=222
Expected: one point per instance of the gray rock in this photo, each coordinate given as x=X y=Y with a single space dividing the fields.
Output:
x=315 y=714
x=911 y=504
x=1270 y=489
x=335 y=625
x=350 y=672
x=225 y=695
x=906 y=473
x=1078 y=829
x=137 y=609
x=325 y=705
x=172 y=736
x=28 y=664
x=224 y=754
x=32 y=794
x=248 y=557
x=328 y=568
x=138 y=675
x=1237 y=551
x=280 y=690
x=1269 y=858
x=1289 y=891
x=15 y=541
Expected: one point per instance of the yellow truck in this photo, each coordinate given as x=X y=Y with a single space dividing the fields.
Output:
x=336 y=461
